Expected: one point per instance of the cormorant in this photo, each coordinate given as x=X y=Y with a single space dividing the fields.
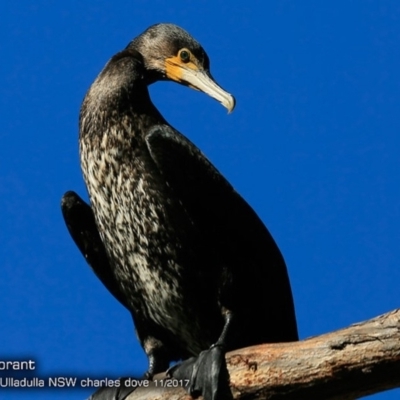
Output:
x=165 y=232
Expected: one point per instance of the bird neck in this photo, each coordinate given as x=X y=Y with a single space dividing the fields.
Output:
x=119 y=94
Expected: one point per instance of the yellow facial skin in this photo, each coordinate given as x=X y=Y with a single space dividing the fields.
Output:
x=184 y=68
x=174 y=67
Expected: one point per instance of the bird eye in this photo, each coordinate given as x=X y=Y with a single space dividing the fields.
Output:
x=184 y=55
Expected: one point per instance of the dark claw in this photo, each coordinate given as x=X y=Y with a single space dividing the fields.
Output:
x=207 y=373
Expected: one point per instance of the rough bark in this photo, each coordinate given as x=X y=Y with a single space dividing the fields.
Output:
x=347 y=364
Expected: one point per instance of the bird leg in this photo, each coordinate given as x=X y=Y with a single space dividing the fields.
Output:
x=156 y=354
x=155 y=365
x=222 y=340
x=208 y=374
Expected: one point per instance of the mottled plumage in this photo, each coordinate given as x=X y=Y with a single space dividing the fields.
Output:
x=183 y=248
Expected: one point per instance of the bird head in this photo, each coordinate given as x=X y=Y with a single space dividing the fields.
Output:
x=170 y=53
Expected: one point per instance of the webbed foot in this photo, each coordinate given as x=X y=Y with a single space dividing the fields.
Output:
x=208 y=374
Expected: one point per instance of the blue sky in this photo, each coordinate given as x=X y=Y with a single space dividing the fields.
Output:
x=312 y=145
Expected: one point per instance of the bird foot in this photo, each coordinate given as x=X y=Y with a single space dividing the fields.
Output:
x=208 y=374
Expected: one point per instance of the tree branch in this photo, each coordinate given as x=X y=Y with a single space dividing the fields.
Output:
x=347 y=364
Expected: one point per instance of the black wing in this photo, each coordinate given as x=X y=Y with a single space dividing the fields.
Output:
x=235 y=233
x=82 y=227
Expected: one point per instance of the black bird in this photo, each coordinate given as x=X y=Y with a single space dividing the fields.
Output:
x=166 y=233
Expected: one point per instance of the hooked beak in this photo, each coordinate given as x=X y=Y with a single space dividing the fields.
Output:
x=191 y=75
